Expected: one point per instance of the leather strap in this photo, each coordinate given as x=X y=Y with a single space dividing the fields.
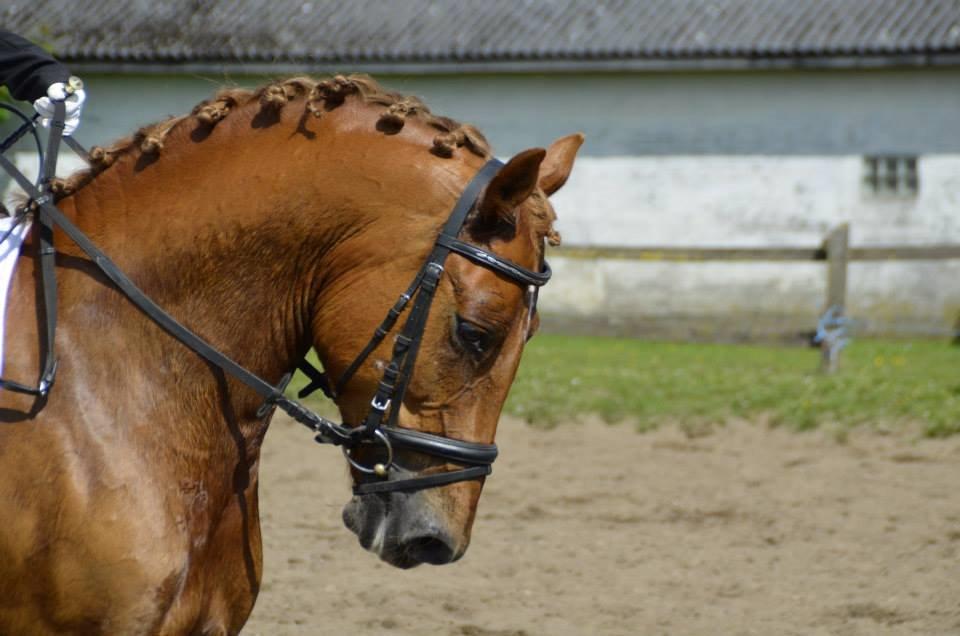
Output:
x=408 y=341
x=318 y=380
x=28 y=126
x=455 y=450
x=77 y=148
x=380 y=332
x=426 y=481
x=496 y=263
x=47 y=255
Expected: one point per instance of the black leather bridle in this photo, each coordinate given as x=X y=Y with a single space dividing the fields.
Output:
x=380 y=425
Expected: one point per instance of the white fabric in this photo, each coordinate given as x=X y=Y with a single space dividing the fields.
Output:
x=73 y=104
x=9 y=250
x=29 y=165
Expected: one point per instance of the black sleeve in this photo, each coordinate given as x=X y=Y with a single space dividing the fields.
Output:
x=26 y=69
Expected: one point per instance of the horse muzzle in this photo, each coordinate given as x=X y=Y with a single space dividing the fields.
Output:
x=403 y=528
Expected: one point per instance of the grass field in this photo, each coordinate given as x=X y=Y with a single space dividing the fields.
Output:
x=881 y=384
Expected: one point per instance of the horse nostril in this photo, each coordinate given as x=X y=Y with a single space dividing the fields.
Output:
x=429 y=549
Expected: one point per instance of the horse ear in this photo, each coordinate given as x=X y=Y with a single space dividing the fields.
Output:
x=559 y=162
x=497 y=209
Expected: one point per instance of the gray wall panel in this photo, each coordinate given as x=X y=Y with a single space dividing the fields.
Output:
x=781 y=113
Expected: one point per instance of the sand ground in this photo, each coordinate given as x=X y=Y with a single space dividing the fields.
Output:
x=596 y=529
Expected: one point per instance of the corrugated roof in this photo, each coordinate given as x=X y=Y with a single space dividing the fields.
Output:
x=489 y=33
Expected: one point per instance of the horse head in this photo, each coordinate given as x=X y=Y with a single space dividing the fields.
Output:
x=468 y=354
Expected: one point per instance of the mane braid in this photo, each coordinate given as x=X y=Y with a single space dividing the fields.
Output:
x=319 y=96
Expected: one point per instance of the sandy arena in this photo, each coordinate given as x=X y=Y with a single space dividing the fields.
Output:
x=595 y=529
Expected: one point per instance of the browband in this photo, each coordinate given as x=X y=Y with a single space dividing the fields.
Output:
x=496 y=263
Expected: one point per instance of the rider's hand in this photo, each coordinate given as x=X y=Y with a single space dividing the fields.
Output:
x=72 y=101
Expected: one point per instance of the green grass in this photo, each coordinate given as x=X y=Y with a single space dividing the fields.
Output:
x=881 y=384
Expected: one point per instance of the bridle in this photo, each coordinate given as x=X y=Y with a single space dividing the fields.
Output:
x=380 y=424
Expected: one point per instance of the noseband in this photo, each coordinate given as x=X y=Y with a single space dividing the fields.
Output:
x=380 y=425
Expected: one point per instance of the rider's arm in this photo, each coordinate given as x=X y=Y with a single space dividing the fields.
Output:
x=32 y=74
x=26 y=69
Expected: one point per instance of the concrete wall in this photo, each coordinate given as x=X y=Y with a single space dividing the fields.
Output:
x=730 y=201
x=720 y=159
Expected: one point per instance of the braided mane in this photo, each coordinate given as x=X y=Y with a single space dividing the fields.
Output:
x=319 y=96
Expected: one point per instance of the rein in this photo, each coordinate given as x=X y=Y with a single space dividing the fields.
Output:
x=380 y=424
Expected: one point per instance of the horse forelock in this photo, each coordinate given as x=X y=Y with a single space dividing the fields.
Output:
x=316 y=97
x=541 y=219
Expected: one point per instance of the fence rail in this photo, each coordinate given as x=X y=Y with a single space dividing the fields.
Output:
x=768 y=254
x=835 y=251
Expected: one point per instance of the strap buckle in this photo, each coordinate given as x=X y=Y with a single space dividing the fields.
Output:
x=431 y=277
x=46 y=382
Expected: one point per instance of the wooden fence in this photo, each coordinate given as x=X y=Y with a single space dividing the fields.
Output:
x=835 y=251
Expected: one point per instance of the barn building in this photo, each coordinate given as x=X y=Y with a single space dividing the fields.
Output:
x=709 y=123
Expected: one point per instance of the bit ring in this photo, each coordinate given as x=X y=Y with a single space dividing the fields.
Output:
x=379 y=469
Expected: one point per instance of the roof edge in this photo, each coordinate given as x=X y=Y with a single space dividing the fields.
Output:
x=158 y=67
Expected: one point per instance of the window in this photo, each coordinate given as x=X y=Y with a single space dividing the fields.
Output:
x=891 y=175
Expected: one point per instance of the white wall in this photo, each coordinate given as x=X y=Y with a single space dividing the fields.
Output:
x=751 y=200
x=730 y=201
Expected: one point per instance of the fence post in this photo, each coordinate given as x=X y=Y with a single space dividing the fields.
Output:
x=837 y=246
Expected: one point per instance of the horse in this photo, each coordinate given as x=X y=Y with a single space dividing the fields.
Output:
x=270 y=222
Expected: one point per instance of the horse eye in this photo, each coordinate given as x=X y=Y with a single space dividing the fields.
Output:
x=472 y=336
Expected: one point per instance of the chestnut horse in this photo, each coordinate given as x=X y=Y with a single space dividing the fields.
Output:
x=268 y=222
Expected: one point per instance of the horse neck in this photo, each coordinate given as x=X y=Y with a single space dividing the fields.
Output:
x=246 y=243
